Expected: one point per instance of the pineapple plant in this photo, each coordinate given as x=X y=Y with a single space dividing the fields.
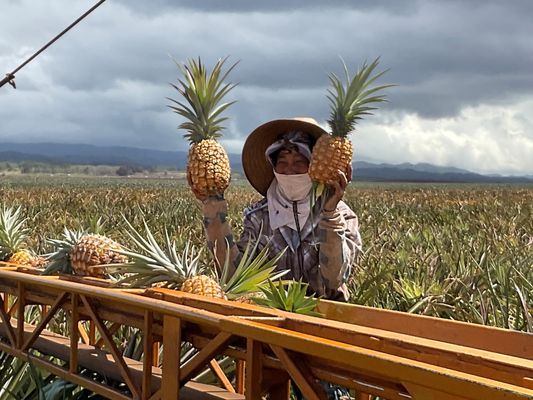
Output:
x=292 y=299
x=208 y=167
x=349 y=102
x=13 y=235
x=83 y=254
x=164 y=266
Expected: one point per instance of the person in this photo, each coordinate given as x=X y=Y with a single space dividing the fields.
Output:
x=320 y=242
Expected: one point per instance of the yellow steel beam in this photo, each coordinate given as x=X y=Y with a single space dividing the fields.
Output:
x=498 y=340
x=397 y=369
x=422 y=364
x=219 y=373
x=6 y=319
x=253 y=370
x=300 y=374
x=170 y=384
x=111 y=296
x=202 y=358
x=108 y=340
x=490 y=365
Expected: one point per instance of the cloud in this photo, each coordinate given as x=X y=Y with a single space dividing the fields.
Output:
x=107 y=80
x=486 y=139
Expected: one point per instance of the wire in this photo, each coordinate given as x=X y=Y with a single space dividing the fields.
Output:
x=10 y=77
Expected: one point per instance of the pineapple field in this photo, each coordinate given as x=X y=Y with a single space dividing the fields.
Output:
x=461 y=252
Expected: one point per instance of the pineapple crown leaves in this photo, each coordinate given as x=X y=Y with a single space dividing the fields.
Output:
x=58 y=261
x=351 y=100
x=251 y=273
x=153 y=263
x=12 y=231
x=96 y=225
x=293 y=299
x=203 y=93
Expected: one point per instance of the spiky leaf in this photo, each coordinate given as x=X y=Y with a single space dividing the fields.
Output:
x=13 y=232
x=59 y=261
x=291 y=299
x=352 y=99
x=251 y=273
x=203 y=92
x=151 y=263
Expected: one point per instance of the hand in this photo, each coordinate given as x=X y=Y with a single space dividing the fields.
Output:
x=201 y=196
x=336 y=188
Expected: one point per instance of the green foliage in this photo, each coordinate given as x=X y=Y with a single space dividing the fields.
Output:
x=252 y=272
x=13 y=231
x=352 y=99
x=203 y=92
x=462 y=252
x=289 y=296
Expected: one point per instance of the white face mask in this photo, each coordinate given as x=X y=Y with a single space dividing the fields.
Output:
x=294 y=187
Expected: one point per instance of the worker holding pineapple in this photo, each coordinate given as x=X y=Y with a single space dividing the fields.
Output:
x=302 y=214
x=321 y=240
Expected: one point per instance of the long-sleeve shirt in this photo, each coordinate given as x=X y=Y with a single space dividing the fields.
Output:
x=320 y=254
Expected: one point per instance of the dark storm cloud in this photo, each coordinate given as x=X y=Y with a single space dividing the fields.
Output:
x=108 y=79
x=455 y=53
x=240 y=6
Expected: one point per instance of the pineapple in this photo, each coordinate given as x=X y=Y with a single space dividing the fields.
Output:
x=208 y=167
x=163 y=266
x=83 y=254
x=13 y=235
x=203 y=285
x=292 y=299
x=348 y=105
x=92 y=250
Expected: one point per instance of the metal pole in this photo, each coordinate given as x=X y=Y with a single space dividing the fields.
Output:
x=10 y=77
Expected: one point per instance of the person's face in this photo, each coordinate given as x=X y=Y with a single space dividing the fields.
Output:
x=290 y=162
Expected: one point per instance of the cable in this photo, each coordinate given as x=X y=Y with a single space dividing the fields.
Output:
x=10 y=76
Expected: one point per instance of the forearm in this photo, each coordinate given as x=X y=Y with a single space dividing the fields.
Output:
x=218 y=231
x=339 y=243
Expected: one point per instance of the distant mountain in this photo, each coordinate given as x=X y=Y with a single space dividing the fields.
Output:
x=426 y=173
x=420 y=167
x=56 y=153
x=90 y=154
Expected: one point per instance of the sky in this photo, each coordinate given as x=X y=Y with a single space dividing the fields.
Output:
x=463 y=72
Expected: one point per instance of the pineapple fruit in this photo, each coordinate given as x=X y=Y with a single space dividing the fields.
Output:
x=349 y=103
x=163 y=266
x=83 y=254
x=91 y=251
x=203 y=285
x=13 y=235
x=208 y=167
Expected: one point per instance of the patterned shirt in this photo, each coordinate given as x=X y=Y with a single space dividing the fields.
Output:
x=321 y=254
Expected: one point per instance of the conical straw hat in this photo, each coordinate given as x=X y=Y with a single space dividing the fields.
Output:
x=256 y=167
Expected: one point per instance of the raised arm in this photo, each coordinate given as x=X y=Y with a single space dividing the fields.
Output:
x=340 y=243
x=218 y=231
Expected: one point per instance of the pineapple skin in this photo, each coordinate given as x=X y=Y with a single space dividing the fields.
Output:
x=330 y=153
x=208 y=168
x=93 y=250
x=22 y=257
x=203 y=285
x=249 y=298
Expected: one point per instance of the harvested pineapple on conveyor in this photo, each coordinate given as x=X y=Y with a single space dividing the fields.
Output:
x=13 y=236
x=162 y=265
x=83 y=254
